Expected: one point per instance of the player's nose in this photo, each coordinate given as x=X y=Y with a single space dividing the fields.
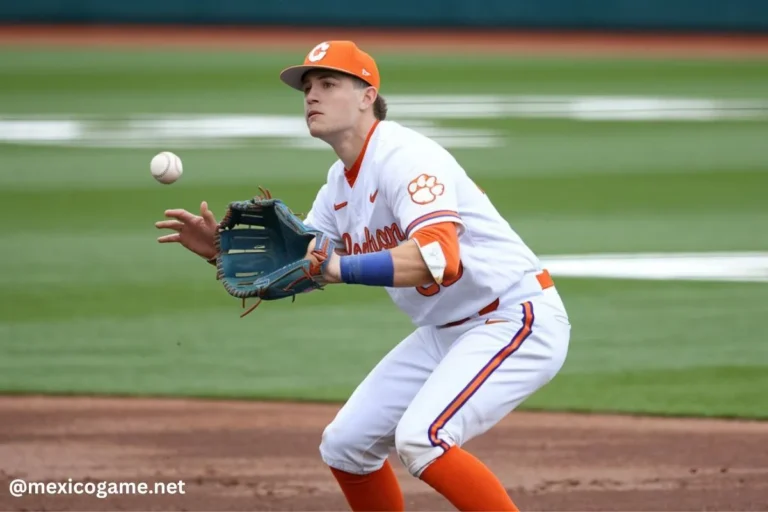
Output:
x=310 y=95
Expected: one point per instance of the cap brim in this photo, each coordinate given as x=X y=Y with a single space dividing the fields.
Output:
x=293 y=75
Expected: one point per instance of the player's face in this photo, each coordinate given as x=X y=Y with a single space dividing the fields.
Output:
x=331 y=103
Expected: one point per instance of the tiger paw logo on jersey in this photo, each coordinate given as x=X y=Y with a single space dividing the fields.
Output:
x=425 y=189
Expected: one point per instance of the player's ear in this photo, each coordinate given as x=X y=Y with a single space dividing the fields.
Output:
x=368 y=98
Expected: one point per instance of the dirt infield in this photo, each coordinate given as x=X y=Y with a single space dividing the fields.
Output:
x=264 y=456
x=487 y=41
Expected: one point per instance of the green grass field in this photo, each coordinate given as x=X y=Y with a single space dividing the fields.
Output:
x=92 y=304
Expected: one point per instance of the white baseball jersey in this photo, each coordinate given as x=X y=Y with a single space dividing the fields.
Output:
x=440 y=386
x=406 y=182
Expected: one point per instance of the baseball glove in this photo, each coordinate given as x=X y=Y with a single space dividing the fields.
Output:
x=262 y=251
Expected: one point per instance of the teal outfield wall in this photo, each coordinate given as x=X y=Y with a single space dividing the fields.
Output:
x=693 y=15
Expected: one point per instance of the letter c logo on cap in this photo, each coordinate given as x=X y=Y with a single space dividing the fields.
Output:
x=318 y=52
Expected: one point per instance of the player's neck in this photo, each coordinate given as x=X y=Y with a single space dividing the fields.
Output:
x=350 y=144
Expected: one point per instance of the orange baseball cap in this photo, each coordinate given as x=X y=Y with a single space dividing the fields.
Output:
x=342 y=56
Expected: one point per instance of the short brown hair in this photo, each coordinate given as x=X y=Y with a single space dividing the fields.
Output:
x=379 y=105
x=380 y=108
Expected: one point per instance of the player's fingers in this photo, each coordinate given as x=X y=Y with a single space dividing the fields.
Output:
x=174 y=237
x=169 y=224
x=180 y=214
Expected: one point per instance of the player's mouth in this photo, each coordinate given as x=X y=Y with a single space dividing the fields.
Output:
x=311 y=114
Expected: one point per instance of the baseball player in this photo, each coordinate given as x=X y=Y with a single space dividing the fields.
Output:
x=491 y=328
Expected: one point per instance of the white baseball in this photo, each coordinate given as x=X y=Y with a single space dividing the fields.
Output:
x=166 y=167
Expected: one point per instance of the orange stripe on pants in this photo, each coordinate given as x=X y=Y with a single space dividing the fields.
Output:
x=481 y=377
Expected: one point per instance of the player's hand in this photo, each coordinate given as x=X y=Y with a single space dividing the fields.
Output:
x=332 y=272
x=194 y=232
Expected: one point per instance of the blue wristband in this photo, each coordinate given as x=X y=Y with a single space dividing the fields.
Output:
x=373 y=269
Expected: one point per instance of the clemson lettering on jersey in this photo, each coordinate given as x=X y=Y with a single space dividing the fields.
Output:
x=387 y=237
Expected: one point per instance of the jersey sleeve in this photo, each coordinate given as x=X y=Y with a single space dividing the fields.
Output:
x=422 y=197
x=320 y=217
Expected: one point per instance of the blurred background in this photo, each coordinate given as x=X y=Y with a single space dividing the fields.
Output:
x=686 y=15
x=625 y=141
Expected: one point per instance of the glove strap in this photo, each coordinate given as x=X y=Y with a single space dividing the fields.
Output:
x=322 y=252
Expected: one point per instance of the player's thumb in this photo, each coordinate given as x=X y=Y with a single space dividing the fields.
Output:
x=207 y=214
